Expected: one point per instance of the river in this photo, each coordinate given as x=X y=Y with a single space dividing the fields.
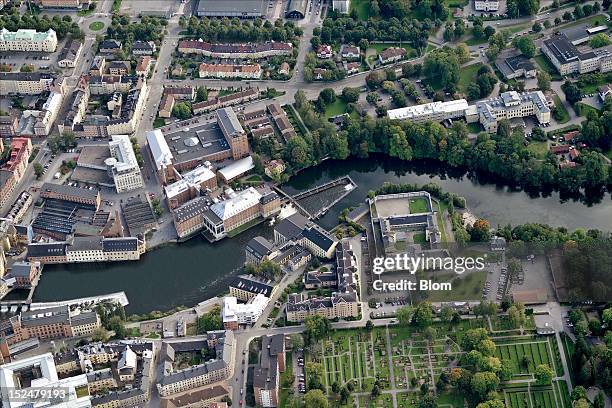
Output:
x=193 y=271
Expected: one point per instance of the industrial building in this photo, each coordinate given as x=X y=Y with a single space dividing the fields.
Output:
x=231 y=8
x=188 y=147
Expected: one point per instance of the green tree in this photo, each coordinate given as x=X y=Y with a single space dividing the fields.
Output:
x=572 y=92
x=543 y=374
x=116 y=325
x=350 y=95
x=38 y=170
x=484 y=382
x=210 y=321
x=404 y=315
x=316 y=328
x=100 y=334
x=526 y=45
x=543 y=83
x=315 y=399
x=599 y=40
x=201 y=94
x=496 y=403
x=182 y=111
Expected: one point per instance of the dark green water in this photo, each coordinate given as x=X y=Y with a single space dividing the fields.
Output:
x=191 y=272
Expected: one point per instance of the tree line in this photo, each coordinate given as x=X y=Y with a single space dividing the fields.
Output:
x=236 y=30
x=62 y=25
x=503 y=155
x=352 y=31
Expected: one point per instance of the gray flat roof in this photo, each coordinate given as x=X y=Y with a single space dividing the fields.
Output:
x=245 y=8
x=196 y=142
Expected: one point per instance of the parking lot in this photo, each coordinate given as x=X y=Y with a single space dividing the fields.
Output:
x=39 y=60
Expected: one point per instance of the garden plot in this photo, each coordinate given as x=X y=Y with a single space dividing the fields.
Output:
x=525 y=353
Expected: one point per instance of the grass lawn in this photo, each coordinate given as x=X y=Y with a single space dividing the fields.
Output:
x=362 y=7
x=400 y=245
x=563 y=114
x=418 y=205
x=338 y=107
x=582 y=109
x=465 y=288
x=419 y=238
x=158 y=122
x=474 y=127
x=515 y=29
x=456 y=3
x=476 y=41
x=244 y=227
x=96 y=26
x=591 y=20
x=442 y=206
x=467 y=76
x=547 y=66
x=539 y=149
x=379 y=47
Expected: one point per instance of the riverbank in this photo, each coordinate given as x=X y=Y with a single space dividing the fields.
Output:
x=184 y=274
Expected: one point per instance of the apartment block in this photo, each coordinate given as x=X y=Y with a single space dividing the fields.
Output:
x=122 y=164
x=266 y=376
x=28 y=40
x=251 y=71
x=235 y=51
x=235 y=314
x=26 y=83
x=215 y=370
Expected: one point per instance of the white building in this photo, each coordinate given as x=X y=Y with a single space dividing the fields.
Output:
x=486 y=5
x=235 y=314
x=434 y=111
x=509 y=105
x=568 y=59
x=26 y=83
x=28 y=40
x=36 y=373
x=341 y=6
x=122 y=165
x=488 y=112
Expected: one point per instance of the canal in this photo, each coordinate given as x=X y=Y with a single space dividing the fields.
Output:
x=193 y=271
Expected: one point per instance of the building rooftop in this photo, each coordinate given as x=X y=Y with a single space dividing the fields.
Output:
x=235 y=205
x=159 y=149
x=237 y=168
x=195 y=142
x=292 y=226
x=27 y=35
x=191 y=209
x=428 y=109
x=259 y=247
x=65 y=189
x=232 y=8
x=253 y=284
x=193 y=178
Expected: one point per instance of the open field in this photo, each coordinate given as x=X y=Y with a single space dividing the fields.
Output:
x=538 y=148
x=468 y=76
